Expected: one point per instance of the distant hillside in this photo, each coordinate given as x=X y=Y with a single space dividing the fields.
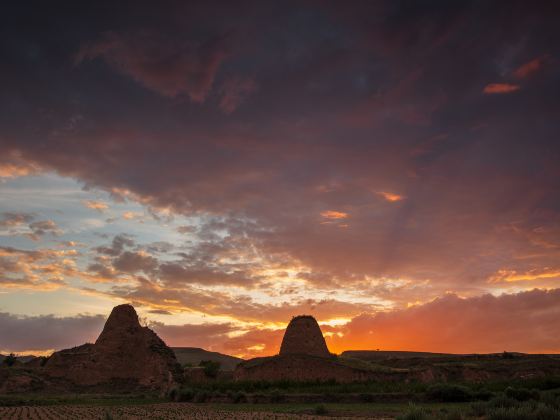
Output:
x=371 y=355
x=22 y=359
x=194 y=355
x=377 y=355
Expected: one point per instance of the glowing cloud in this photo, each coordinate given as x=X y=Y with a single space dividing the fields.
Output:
x=129 y=215
x=392 y=197
x=95 y=205
x=494 y=88
x=332 y=214
x=528 y=68
x=514 y=276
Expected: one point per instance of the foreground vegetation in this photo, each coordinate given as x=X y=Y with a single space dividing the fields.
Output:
x=529 y=398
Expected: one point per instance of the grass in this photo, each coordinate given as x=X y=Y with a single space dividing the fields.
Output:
x=391 y=409
x=77 y=399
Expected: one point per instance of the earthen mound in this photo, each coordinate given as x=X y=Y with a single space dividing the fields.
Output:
x=126 y=355
x=303 y=336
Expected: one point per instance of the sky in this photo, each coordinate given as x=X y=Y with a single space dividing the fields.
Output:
x=389 y=167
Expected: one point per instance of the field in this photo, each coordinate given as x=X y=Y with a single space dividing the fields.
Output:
x=505 y=387
x=152 y=411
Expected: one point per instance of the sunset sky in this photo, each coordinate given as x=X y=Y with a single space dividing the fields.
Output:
x=389 y=167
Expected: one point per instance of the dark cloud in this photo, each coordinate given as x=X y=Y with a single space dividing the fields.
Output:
x=165 y=65
x=43 y=227
x=21 y=333
x=14 y=219
x=33 y=230
x=119 y=243
x=329 y=109
x=207 y=336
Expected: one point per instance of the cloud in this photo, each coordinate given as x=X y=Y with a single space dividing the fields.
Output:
x=168 y=66
x=235 y=90
x=347 y=96
x=42 y=228
x=207 y=336
x=515 y=322
x=131 y=215
x=10 y=219
x=500 y=88
x=391 y=197
x=40 y=269
x=14 y=222
x=12 y=165
x=47 y=332
x=333 y=214
x=531 y=275
x=100 y=206
x=529 y=68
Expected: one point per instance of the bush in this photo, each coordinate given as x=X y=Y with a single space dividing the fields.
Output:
x=452 y=415
x=239 y=397
x=184 y=395
x=502 y=401
x=10 y=359
x=483 y=395
x=201 y=396
x=276 y=396
x=320 y=410
x=414 y=413
x=522 y=394
x=550 y=399
x=544 y=412
x=211 y=368
x=449 y=393
x=367 y=398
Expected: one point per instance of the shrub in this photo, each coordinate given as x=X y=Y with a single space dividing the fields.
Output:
x=184 y=395
x=201 y=396
x=320 y=410
x=478 y=409
x=449 y=393
x=550 y=399
x=544 y=412
x=10 y=359
x=522 y=394
x=522 y=412
x=452 y=415
x=502 y=401
x=367 y=398
x=414 y=413
x=211 y=368
x=483 y=395
x=239 y=397
x=276 y=396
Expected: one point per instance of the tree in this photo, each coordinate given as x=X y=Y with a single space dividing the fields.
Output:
x=10 y=359
x=211 y=368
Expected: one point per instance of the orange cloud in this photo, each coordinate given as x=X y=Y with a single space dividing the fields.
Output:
x=129 y=215
x=392 y=197
x=526 y=322
x=12 y=165
x=494 y=88
x=528 y=68
x=514 y=276
x=95 y=205
x=332 y=214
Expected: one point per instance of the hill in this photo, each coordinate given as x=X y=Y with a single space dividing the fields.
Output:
x=371 y=355
x=22 y=359
x=194 y=355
